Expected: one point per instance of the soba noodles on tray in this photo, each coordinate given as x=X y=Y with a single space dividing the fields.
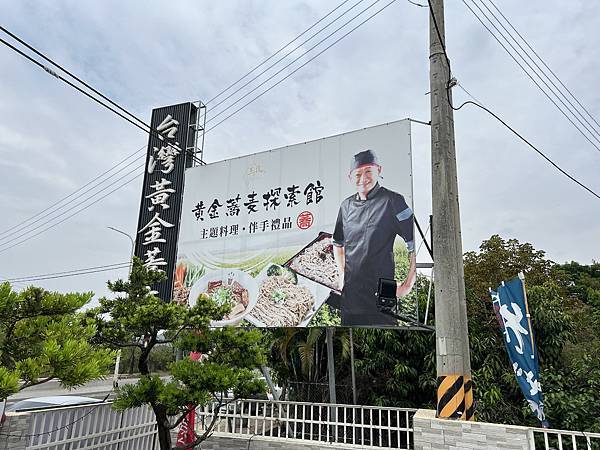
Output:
x=317 y=263
x=281 y=302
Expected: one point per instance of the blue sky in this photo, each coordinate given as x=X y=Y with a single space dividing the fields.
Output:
x=149 y=54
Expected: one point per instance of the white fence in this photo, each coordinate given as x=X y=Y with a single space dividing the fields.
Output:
x=100 y=427
x=91 y=427
x=549 y=439
x=367 y=426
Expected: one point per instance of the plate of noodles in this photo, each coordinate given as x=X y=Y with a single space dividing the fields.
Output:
x=233 y=287
x=282 y=300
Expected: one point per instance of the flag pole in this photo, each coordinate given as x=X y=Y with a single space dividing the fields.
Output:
x=522 y=278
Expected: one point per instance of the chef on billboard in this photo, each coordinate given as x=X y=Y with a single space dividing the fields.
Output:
x=366 y=227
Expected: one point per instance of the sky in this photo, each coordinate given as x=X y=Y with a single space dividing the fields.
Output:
x=147 y=54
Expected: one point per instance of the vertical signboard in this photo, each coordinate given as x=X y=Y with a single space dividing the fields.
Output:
x=162 y=191
x=303 y=235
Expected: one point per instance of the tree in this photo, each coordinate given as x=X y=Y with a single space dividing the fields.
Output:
x=298 y=360
x=136 y=318
x=43 y=337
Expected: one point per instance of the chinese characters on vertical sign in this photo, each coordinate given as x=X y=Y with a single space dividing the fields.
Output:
x=160 y=209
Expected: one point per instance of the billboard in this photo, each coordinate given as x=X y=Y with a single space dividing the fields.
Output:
x=304 y=235
x=162 y=190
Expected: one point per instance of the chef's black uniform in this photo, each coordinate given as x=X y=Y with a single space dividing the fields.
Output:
x=367 y=229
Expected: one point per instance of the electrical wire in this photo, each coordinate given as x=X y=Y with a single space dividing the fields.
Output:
x=136 y=169
x=214 y=116
x=39 y=216
x=277 y=52
x=300 y=67
x=55 y=64
x=556 y=91
x=546 y=65
x=145 y=127
x=531 y=77
x=68 y=273
x=7 y=236
x=556 y=166
x=71 y=215
x=73 y=193
x=288 y=54
x=129 y=181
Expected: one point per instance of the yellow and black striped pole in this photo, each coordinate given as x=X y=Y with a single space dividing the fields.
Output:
x=455 y=387
x=455 y=397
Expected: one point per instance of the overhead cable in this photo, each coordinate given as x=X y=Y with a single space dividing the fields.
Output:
x=251 y=71
x=13 y=244
x=553 y=97
x=300 y=67
x=68 y=273
x=290 y=52
x=555 y=165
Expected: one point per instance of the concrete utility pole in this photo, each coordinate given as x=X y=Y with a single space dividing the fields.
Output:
x=455 y=393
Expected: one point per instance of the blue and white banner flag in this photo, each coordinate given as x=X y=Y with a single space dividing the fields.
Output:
x=510 y=305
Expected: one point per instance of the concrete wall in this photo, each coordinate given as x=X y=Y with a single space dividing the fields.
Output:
x=13 y=431
x=432 y=433
x=216 y=442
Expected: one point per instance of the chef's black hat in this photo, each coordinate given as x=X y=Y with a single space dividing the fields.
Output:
x=364 y=158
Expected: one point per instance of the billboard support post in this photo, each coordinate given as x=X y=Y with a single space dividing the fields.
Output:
x=353 y=374
x=330 y=365
x=452 y=339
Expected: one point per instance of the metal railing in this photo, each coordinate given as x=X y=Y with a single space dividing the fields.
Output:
x=91 y=427
x=549 y=439
x=367 y=426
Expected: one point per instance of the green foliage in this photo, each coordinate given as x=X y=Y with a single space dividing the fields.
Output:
x=137 y=319
x=43 y=337
x=397 y=368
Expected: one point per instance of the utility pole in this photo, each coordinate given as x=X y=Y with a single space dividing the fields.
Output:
x=455 y=393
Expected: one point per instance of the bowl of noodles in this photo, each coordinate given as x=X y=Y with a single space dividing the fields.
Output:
x=282 y=300
x=234 y=287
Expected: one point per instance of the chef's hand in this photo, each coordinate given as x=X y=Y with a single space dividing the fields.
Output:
x=404 y=288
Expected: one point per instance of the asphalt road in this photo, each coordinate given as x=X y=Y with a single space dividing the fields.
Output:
x=94 y=389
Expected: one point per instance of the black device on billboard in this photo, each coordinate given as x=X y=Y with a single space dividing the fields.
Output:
x=386 y=294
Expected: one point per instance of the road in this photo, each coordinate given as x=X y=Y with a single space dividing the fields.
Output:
x=94 y=389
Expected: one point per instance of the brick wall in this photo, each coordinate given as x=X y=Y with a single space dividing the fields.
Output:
x=432 y=433
x=13 y=431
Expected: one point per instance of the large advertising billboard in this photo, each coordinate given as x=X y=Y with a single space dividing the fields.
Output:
x=304 y=235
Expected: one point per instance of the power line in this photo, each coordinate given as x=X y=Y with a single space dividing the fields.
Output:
x=546 y=65
x=556 y=166
x=299 y=57
x=22 y=42
x=300 y=67
x=288 y=54
x=68 y=273
x=573 y=109
x=136 y=169
x=235 y=112
x=41 y=217
x=72 y=193
x=71 y=215
x=278 y=51
x=568 y=115
x=143 y=127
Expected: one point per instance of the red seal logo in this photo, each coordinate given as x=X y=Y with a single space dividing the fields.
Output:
x=305 y=220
